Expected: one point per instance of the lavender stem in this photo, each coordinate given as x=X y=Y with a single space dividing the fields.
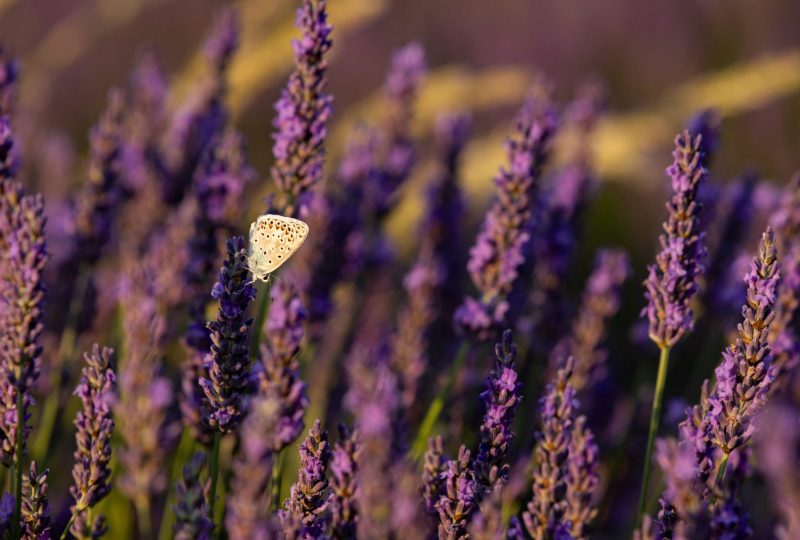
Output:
x=436 y=406
x=655 y=416
x=261 y=316
x=277 y=469
x=182 y=456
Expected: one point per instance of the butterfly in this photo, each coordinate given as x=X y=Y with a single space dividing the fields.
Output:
x=273 y=239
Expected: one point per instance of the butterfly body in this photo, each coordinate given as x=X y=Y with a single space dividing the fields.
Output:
x=273 y=239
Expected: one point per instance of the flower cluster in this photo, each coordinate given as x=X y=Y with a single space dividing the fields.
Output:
x=499 y=250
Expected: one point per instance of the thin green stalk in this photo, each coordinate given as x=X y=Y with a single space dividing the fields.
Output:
x=261 y=316
x=436 y=406
x=66 y=346
x=277 y=467
x=65 y=532
x=720 y=475
x=655 y=416
x=143 y=516
x=214 y=473
x=181 y=457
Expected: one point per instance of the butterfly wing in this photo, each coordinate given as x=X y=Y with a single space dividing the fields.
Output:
x=273 y=239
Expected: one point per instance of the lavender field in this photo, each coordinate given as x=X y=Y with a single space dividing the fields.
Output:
x=340 y=269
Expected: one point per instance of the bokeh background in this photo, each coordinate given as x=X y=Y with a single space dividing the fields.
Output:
x=660 y=62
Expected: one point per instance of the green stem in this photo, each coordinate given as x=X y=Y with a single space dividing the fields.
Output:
x=143 y=516
x=214 y=472
x=69 y=525
x=277 y=466
x=655 y=416
x=65 y=348
x=721 y=472
x=436 y=406
x=20 y=452
x=261 y=316
x=181 y=457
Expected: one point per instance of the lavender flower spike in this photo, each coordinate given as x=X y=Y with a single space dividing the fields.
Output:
x=458 y=500
x=94 y=426
x=306 y=513
x=22 y=292
x=228 y=381
x=745 y=374
x=344 y=468
x=280 y=374
x=499 y=250
x=100 y=195
x=303 y=110
x=502 y=396
x=545 y=516
x=434 y=466
x=191 y=509
x=672 y=281
x=35 y=505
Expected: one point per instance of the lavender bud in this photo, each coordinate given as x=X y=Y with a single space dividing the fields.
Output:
x=433 y=469
x=191 y=509
x=458 y=499
x=499 y=250
x=228 y=382
x=309 y=499
x=303 y=111
x=745 y=374
x=672 y=281
x=35 y=505
x=94 y=426
x=501 y=397
x=344 y=485
x=280 y=375
x=22 y=295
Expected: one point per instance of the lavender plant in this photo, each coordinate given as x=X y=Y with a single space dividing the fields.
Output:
x=94 y=425
x=672 y=282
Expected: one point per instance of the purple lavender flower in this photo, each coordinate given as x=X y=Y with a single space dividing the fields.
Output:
x=309 y=502
x=501 y=397
x=203 y=115
x=303 y=110
x=94 y=426
x=499 y=250
x=22 y=295
x=672 y=281
x=600 y=302
x=191 y=509
x=101 y=194
x=145 y=423
x=396 y=148
x=564 y=466
x=458 y=499
x=744 y=376
x=35 y=505
x=228 y=381
x=582 y=479
x=434 y=466
x=344 y=485
x=488 y=523
x=280 y=374
x=247 y=517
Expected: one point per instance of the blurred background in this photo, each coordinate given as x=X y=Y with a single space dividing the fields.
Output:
x=661 y=62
